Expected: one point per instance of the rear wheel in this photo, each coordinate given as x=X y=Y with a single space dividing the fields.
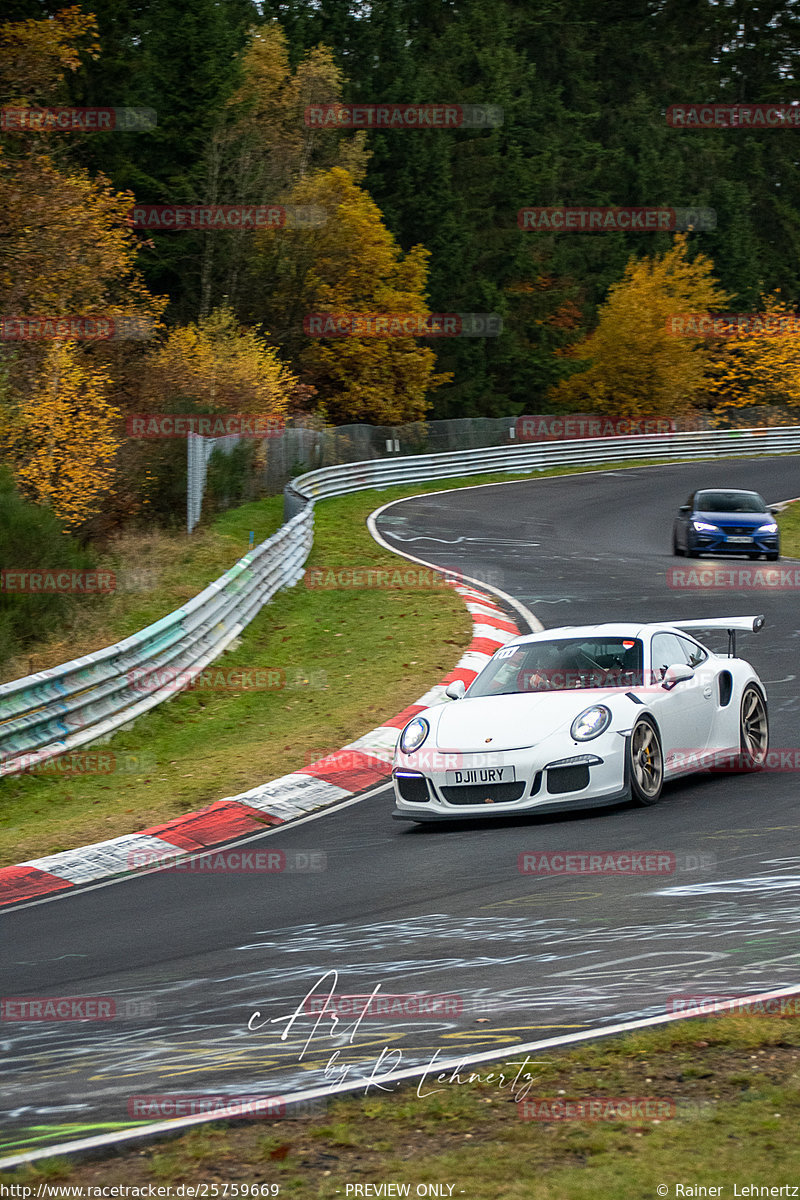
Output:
x=753 y=729
x=646 y=762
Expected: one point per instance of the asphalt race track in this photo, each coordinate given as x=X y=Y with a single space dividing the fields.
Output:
x=188 y=959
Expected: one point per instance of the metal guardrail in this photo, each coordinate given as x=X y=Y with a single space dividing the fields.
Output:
x=380 y=473
x=49 y=713
x=54 y=711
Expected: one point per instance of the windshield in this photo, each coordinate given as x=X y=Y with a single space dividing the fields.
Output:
x=561 y=665
x=742 y=502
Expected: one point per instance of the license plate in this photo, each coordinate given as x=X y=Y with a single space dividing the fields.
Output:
x=476 y=775
x=740 y=541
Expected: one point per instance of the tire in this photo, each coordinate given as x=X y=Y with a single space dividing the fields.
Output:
x=753 y=729
x=676 y=550
x=645 y=762
x=773 y=557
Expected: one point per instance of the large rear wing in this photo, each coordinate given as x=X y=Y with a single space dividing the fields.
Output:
x=730 y=624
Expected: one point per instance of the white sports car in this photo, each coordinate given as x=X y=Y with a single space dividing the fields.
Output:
x=583 y=716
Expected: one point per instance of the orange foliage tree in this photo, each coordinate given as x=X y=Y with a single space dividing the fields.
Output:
x=352 y=264
x=221 y=364
x=636 y=367
x=68 y=423
x=758 y=368
x=66 y=250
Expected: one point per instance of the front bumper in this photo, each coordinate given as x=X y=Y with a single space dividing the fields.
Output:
x=547 y=780
x=720 y=543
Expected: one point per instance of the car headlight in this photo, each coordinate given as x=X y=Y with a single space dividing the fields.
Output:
x=770 y=527
x=414 y=735
x=704 y=527
x=591 y=723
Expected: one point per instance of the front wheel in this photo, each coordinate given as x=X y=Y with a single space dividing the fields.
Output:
x=645 y=762
x=753 y=729
x=676 y=550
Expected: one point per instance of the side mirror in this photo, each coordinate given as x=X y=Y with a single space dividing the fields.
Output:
x=773 y=510
x=456 y=689
x=685 y=508
x=677 y=673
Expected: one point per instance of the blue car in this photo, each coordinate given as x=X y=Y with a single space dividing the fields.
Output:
x=724 y=521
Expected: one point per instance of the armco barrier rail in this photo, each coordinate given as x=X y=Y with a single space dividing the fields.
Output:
x=47 y=714
x=54 y=711
x=355 y=477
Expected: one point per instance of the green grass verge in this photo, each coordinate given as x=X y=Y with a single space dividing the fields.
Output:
x=155 y=573
x=351 y=660
x=789 y=525
x=733 y=1082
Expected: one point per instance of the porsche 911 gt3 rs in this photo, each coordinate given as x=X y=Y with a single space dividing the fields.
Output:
x=579 y=717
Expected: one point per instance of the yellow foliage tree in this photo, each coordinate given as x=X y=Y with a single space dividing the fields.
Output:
x=262 y=147
x=637 y=367
x=36 y=54
x=67 y=424
x=67 y=249
x=221 y=364
x=753 y=369
x=350 y=264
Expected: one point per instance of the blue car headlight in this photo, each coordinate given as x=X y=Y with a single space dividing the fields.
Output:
x=704 y=527
x=591 y=723
x=770 y=527
x=414 y=735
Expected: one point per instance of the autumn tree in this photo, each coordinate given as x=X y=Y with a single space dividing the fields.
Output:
x=66 y=251
x=758 y=367
x=220 y=364
x=348 y=264
x=635 y=366
x=261 y=148
x=68 y=429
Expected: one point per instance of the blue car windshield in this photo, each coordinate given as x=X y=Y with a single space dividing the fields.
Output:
x=729 y=502
x=562 y=664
